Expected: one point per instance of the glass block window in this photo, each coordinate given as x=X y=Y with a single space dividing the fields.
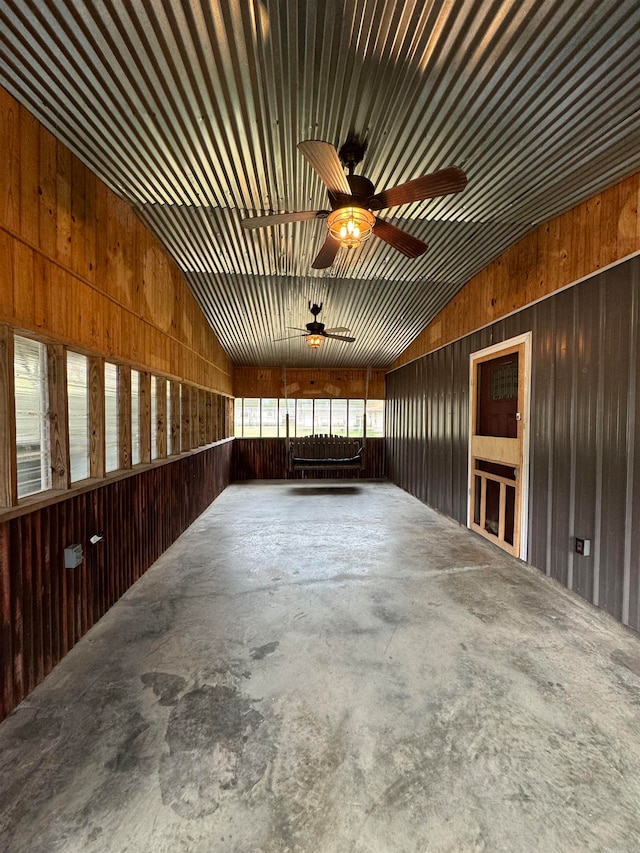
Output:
x=33 y=445
x=135 y=417
x=154 y=417
x=112 y=461
x=78 y=413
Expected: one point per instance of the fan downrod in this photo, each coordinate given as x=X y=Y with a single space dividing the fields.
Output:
x=351 y=153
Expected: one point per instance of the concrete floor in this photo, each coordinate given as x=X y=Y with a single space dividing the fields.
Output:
x=332 y=668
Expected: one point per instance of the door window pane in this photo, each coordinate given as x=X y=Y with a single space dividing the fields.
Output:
x=135 y=417
x=111 y=416
x=33 y=447
x=78 y=411
x=497 y=396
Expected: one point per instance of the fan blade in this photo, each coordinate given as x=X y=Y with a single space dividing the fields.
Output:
x=327 y=254
x=428 y=186
x=278 y=218
x=290 y=337
x=338 y=329
x=323 y=159
x=399 y=239
x=299 y=329
x=339 y=337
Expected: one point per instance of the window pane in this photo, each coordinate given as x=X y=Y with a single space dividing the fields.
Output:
x=284 y=407
x=304 y=417
x=154 y=417
x=356 y=417
x=78 y=410
x=183 y=435
x=111 y=416
x=322 y=417
x=375 y=418
x=237 y=416
x=269 y=418
x=339 y=417
x=169 y=419
x=251 y=417
x=33 y=448
x=135 y=417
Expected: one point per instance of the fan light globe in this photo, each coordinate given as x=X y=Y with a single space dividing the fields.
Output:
x=350 y=226
x=315 y=341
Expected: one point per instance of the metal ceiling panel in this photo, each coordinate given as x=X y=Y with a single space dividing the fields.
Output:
x=192 y=112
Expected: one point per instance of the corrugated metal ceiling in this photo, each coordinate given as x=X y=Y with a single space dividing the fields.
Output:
x=192 y=112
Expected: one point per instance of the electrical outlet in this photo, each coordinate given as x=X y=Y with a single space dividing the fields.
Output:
x=583 y=547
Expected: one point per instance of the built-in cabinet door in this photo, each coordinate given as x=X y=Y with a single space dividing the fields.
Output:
x=498 y=453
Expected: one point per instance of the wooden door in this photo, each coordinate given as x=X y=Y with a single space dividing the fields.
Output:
x=498 y=451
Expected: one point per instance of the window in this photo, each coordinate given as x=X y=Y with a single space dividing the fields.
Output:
x=267 y=417
x=111 y=417
x=154 y=417
x=251 y=417
x=339 y=417
x=356 y=417
x=375 y=418
x=33 y=446
x=169 y=419
x=304 y=417
x=135 y=417
x=78 y=413
x=322 y=417
x=285 y=406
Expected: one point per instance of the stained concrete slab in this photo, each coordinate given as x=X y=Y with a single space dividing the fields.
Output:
x=330 y=668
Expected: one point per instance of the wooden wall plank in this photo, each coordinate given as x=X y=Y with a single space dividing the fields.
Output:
x=124 y=416
x=91 y=251
x=57 y=375
x=596 y=233
x=145 y=417
x=96 y=417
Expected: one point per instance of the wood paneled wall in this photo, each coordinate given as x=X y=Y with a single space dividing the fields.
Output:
x=266 y=459
x=80 y=268
x=44 y=608
x=308 y=383
x=591 y=236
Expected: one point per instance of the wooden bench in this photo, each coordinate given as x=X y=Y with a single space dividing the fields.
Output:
x=325 y=452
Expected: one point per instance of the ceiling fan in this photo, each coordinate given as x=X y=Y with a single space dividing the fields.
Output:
x=352 y=198
x=315 y=332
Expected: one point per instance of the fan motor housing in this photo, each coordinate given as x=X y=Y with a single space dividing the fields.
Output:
x=361 y=191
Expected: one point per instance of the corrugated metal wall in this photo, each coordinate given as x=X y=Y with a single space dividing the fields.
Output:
x=585 y=433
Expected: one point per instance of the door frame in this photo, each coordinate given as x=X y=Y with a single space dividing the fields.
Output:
x=481 y=355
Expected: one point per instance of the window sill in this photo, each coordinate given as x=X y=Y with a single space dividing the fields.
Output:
x=52 y=496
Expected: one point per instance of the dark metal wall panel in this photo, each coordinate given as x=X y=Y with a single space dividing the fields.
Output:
x=584 y=433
